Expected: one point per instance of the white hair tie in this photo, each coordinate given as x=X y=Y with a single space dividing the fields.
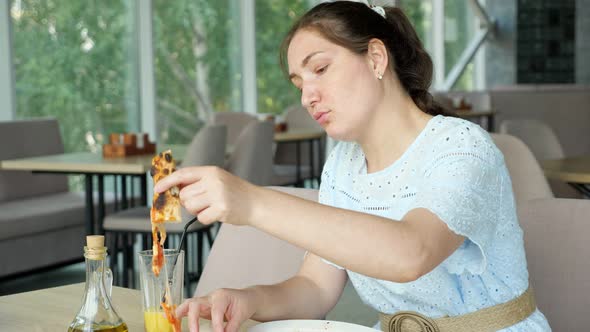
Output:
x=377 y=9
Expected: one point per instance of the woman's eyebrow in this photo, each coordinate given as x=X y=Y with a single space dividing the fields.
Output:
x=305 y=61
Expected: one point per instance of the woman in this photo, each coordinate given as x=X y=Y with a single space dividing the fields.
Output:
x=423 y=202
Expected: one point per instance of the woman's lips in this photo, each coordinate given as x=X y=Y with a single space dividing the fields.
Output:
x=321 y=117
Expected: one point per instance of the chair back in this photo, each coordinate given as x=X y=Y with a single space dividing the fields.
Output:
x=544 y=144
x=528 y=179
x=24 y=139
x=252 y=154
x=235 y=123
x=207 y=147
x=537 y=135
x=297 y=117
x=555 y=236
x=243 y=256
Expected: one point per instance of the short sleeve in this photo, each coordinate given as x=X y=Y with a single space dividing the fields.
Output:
x=464 y=190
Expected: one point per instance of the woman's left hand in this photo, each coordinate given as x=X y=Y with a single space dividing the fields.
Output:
x=212 y=194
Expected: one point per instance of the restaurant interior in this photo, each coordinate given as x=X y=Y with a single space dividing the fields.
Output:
x=91 y=91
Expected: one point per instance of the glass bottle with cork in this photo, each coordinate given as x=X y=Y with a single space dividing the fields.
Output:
x=97 y=313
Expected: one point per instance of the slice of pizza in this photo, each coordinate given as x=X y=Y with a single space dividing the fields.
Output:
x=158 y=239
x=165 y=205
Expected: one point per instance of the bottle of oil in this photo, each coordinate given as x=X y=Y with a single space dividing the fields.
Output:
x=97 y=313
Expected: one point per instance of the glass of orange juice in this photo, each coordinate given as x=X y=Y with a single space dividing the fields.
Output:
x=154 y=288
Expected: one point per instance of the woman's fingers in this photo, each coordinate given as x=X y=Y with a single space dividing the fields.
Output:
x=218 y=308
x=205 y=200
x=181 y=177
x=208 y=192
x=221 y=304
x=195 y=200
x=193 y=190
x=209 y=215
x=234 y=323
x=182 y=309
x=194 y=308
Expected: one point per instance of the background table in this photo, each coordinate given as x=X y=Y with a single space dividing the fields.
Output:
x=94 y=165
x=53 y=309
x=488 y=115
x=298 y=136
x=574 y=170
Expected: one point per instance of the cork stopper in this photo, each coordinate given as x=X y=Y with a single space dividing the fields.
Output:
x=95 y=241
x=95 y=248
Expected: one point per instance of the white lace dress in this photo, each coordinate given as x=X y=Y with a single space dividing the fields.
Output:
x=454 y=170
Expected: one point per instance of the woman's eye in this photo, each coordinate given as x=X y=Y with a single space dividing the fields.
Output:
x=321 y=70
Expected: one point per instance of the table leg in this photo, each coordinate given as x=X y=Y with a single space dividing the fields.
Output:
x=143 y=189
x=582 y=188
x=132 y=196
x=116 y=193
x=311 y=163
x=298 y=162
x=89 y=204
x=491 y=123
x=124 y=192
x=101 y=207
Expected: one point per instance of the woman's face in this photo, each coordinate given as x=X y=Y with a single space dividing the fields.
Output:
x=339 y=89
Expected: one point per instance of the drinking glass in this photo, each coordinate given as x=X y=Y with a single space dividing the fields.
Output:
x=153 y=287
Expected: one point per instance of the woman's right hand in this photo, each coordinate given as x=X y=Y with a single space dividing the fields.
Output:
x=234 y=305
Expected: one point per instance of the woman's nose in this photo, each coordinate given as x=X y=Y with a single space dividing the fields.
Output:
x=309 y=96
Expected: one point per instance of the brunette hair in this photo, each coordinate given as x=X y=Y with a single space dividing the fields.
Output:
x=352 y=25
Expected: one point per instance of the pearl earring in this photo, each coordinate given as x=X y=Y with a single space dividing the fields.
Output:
x=380 y=77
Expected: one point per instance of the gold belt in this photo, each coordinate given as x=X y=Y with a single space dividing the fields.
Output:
x=489 y=319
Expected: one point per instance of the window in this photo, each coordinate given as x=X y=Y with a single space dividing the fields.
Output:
x=273 y=20
x=459 y=22
x=420 y=14
x=73 y=61
x=197 y=64
x=448 y=30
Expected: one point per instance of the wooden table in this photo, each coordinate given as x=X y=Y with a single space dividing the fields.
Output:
x=53 y=309
x=298 y=136
x=489 y=115
x=94 y=165
x=574 y=170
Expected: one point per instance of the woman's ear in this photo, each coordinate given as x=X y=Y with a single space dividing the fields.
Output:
x=378 y=56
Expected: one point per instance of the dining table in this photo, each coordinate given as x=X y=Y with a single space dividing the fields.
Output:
x=485 y=117
x=53 y=309
x=573 y=170
x=93 y=165
x=298 y=136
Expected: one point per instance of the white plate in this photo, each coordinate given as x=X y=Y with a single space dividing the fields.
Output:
x=309 y=326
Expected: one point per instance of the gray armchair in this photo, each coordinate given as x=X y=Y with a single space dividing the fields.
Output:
x=556 y=240
x=528 y=180
x=37 y=211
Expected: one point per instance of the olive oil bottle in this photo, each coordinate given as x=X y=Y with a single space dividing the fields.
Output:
x=97 y=313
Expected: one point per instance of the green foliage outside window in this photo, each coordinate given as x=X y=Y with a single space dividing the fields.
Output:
x=459 y=27
x=71 y=62
x=459 y=16
x=78 y=61
x=273 y=20
x=197 y=49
